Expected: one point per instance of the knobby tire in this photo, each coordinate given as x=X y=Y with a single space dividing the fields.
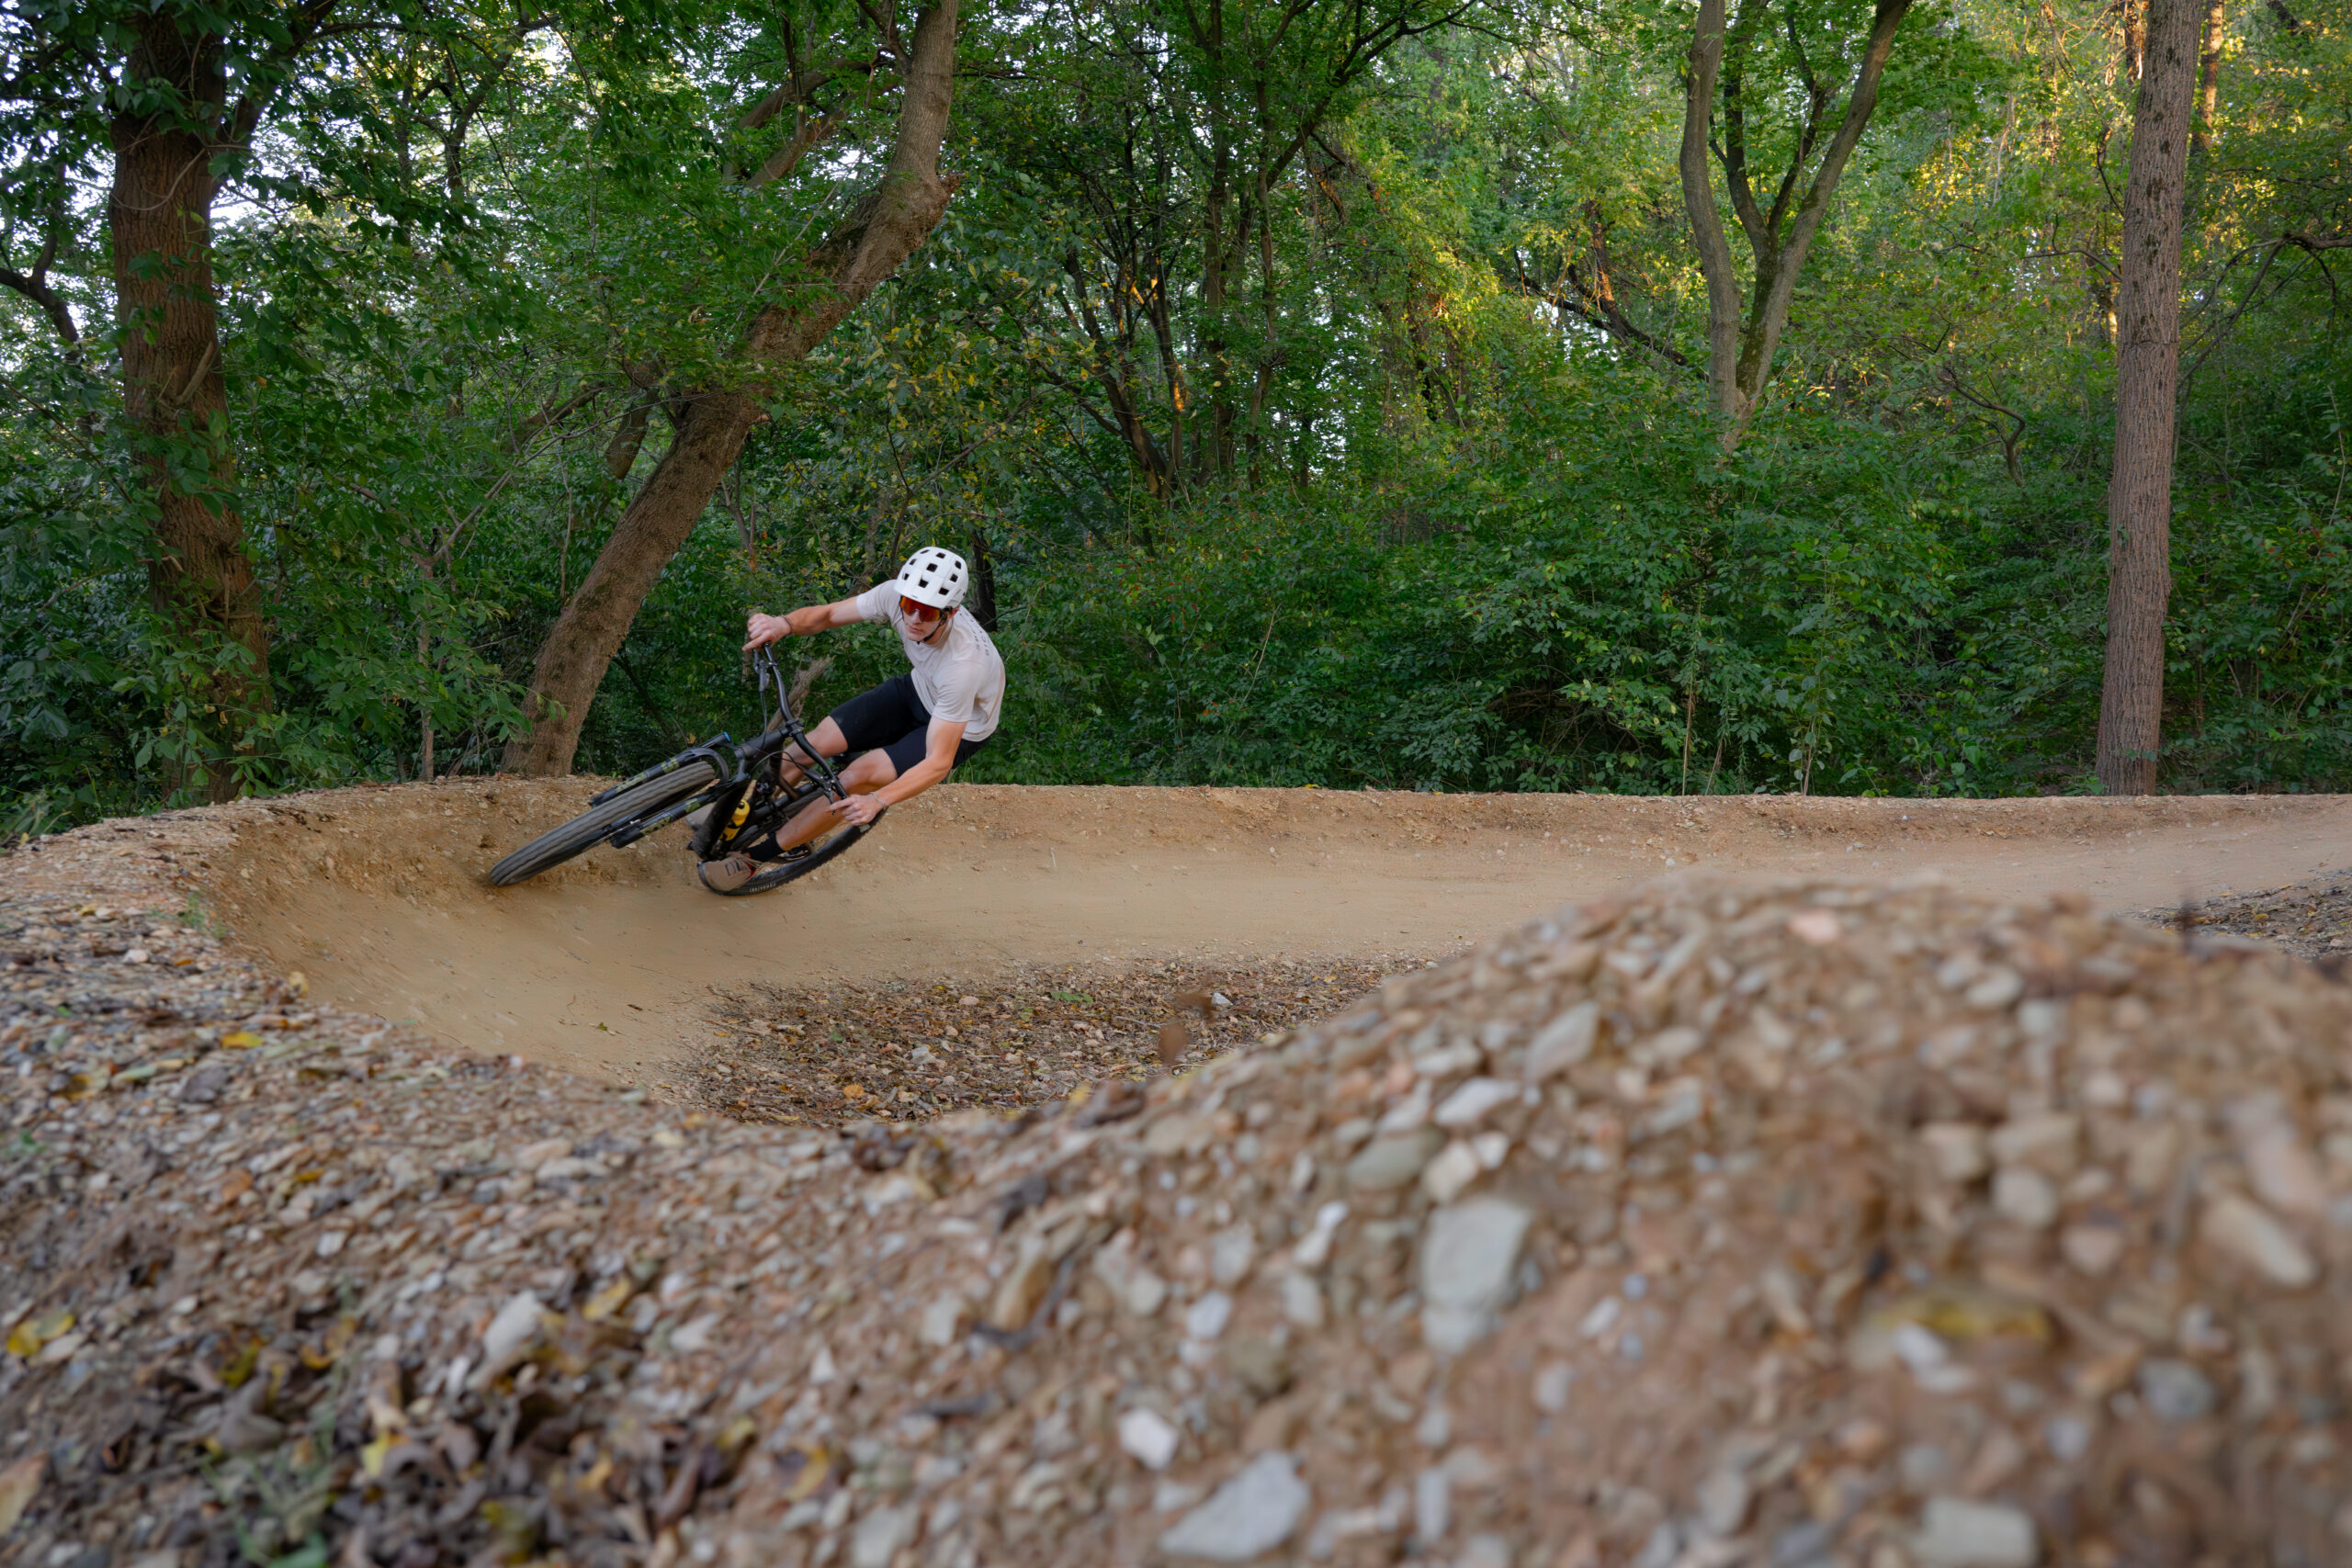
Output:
x=592 y=827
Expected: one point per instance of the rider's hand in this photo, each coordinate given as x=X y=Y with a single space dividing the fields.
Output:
x=858 y=809
x=764 y=630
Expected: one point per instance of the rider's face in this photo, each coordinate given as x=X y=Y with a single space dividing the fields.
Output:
x=927 y=620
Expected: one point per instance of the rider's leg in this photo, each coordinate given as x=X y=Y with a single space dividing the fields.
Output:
x=863 y=777
x=826 y=739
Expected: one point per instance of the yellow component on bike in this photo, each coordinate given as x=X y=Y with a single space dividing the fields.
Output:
x=743 y=810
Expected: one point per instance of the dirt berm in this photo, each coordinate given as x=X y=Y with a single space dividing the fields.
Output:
x=1821 y=1222
x=605 y=964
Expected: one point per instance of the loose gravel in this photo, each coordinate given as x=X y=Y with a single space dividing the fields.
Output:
x=2310 y=919
x=901 y=1051
x=1818 y=1224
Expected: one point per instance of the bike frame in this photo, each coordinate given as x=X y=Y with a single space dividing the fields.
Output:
x=733 y=763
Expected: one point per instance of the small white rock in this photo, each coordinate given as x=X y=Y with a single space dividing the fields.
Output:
x=1723 y=1499
x=1316 y=1250
x=1454 y=1169
x=1435 y=1428
x=1921 y=1347
x=882 y=1535
x=1469 y=1257
x=1473 y=1101
x=1207 y=1318
x=1231 y=1253
x=1432 y=1504
x=1301 y=1300
x=1147 y=1438
x=1246 y=1517
x=1566 y=1040
x=515 y=1327
x=942 y=1321
x=2049 y=1141
x=2024 y=1197
x=2283 y=1171
x=1997 y=990
x=2248 y=1232
x=1956 y=1150
x=1484 y=1551
x=2091 y=1249
x=1474 y=1468
x=1441 y=1065
x=1956 y=1533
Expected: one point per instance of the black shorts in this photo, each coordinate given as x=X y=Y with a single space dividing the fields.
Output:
x=892 y=720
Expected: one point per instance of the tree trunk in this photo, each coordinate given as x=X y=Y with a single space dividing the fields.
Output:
x=983 y=598
x=2147 y=366
x=1698 y=201
x=1740 y=351
x=2209 y=77
x=1771 y=316
x=886 y=226
x=158 y=218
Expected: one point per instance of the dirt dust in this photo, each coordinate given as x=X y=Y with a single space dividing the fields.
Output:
x=610 y=964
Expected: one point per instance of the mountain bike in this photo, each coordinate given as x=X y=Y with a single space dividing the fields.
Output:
x=742 y=784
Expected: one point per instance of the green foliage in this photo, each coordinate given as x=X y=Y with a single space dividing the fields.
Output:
x=1321 y=419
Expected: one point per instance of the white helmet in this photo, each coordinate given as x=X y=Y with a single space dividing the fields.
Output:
x=936 y=577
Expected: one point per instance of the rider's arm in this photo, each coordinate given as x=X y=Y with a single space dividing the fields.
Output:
x=938 y=760
x=806 y=621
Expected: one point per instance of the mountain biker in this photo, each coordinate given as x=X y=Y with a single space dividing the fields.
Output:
x=914 y=729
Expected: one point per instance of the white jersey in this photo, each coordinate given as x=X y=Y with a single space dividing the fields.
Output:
x=961 y=681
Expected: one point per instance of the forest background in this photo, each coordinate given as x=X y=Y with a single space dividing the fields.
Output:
x=1319 y=386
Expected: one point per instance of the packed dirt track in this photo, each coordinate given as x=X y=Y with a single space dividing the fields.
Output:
x=608 y=965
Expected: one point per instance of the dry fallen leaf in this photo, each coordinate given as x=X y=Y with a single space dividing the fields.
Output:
x=803 y=1468
x=240 y=1039
x=609 y=1300
x=28 y=1338
x=19 y=1484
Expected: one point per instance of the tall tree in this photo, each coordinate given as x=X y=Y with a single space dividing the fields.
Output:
x=866 y=244
x=158 y=79
x=1741 y=341
x=1180 y=172
x=2147 y=371
x=174 y=93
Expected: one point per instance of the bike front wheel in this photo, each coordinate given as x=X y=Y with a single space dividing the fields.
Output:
x=592 y=827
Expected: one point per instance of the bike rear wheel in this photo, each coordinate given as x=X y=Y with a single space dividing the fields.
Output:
x=592 y=827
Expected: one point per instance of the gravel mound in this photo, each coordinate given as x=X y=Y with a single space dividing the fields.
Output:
x=1814 y=1224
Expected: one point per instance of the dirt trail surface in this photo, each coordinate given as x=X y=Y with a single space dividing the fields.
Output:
x=608 y=965
x=1807 y=1224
